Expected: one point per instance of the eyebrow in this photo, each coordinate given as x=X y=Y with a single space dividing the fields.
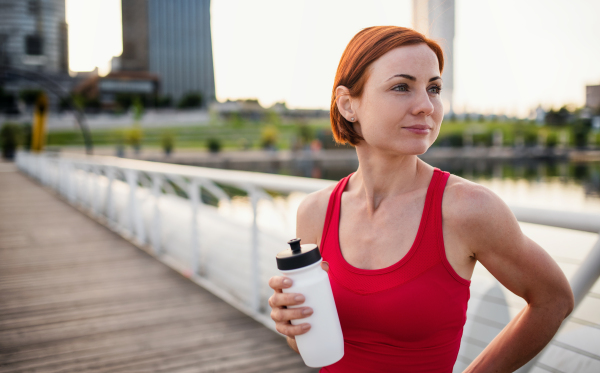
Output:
x=410 y=77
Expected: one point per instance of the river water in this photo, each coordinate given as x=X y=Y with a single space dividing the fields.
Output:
x=559 y=185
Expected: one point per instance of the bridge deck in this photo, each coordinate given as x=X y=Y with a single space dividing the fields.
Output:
x=75 y=297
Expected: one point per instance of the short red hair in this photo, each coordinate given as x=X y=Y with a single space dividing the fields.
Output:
x=364 y=49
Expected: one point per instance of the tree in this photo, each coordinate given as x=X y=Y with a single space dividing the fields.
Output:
x=29 y=96
x=558 y=117
x=8 y=104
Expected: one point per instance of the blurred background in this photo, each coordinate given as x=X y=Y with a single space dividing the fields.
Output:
x=178 y=81
x=246 y=85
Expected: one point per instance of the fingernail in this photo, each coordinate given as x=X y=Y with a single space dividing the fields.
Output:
x=307 y=311
x=299 y=298
x=287 y=281
x=305 y=327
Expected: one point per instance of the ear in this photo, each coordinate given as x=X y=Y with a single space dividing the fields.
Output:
x=344 y=103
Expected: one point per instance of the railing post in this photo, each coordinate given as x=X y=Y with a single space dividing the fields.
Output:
x=254 y=198
x=45 y=170
x=96 y=191
x=194 y=193
x=37 y=168
x=156 y=192
x=587 y=274
x=61 y=177
x=109 y=208
x=57 y=175
x=71 y=183
x=88 y=182
x=135 y=217
x=42 y=166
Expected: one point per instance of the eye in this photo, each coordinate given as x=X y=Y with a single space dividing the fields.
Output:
x=400 y=88
x=436 y=89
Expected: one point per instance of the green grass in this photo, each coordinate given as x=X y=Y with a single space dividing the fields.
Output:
x=234 y=136
x=451 y=133
x=190 y=137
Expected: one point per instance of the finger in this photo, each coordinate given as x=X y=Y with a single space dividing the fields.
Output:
x=285 y=299
x=288 y=314
x=292 y=330
x=279 y=282
x=325 y=266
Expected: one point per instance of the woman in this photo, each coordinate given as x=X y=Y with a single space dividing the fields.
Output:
x=401 y=238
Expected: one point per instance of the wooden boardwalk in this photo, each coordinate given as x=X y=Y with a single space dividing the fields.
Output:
x=76 y=297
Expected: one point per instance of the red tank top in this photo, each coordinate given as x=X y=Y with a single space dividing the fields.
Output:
x=408 y=317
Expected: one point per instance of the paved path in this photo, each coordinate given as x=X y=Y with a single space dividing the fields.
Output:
x=76 y=297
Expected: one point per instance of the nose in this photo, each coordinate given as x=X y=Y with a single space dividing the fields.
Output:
x=422 y=104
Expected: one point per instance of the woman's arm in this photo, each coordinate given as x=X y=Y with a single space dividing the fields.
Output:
x=490 y=231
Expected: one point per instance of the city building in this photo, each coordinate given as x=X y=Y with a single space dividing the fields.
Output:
x=33 y=35
x=33 y=48
x=435 y=18
x=592 y=96
x=105 y=90
x=172 y=39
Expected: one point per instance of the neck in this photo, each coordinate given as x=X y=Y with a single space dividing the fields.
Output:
x=382 y=176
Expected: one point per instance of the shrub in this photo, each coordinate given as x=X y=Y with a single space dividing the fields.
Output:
x=134 y=137
x=164 y=101
x=9 y=139
x=213 y=145
x=483 y=138
x=581 y=129
x=453 y=139
x=305 y=133
x=268 y=137
x=190 y=100
x=552 y=140
x=167 y=141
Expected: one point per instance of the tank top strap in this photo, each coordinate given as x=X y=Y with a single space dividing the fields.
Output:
x=438 y=193
x=436 y=229
x=333 y=211
x=435 y=214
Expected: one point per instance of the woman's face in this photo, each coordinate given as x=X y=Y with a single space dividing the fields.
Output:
x=400 y=110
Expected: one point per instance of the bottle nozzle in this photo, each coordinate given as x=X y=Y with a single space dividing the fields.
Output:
x=295 y=244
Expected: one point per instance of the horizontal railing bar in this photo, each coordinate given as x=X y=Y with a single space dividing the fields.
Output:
x=582 y=221
x=280 y=183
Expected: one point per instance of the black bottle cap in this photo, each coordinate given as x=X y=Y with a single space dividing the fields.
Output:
x=298 y=256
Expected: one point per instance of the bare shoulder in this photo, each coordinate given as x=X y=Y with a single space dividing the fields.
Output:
x=482 y=223
x=311 y=215
x=477 y=214
x=464 y=196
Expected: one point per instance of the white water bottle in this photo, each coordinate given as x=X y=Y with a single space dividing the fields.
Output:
x=323 y=344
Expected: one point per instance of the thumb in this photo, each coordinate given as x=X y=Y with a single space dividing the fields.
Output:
x=325 y=266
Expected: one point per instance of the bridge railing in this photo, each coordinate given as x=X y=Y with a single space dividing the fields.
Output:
x=142 y=200
x=176 y=212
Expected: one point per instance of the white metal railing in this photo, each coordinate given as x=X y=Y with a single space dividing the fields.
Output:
x=231 y=257
x=138 y=199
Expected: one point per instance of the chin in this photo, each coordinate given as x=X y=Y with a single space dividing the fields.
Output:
x=412 y=147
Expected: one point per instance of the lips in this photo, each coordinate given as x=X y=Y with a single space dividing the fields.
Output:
x=420 y=129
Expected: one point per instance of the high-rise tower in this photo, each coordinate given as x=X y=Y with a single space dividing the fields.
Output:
x=33 y=35
x=435 y=18
x=170 y=38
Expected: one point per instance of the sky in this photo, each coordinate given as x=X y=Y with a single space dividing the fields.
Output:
x=510 y=55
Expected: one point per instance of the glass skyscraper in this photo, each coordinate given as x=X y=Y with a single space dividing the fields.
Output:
x=33 y=35
x=170 y=38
